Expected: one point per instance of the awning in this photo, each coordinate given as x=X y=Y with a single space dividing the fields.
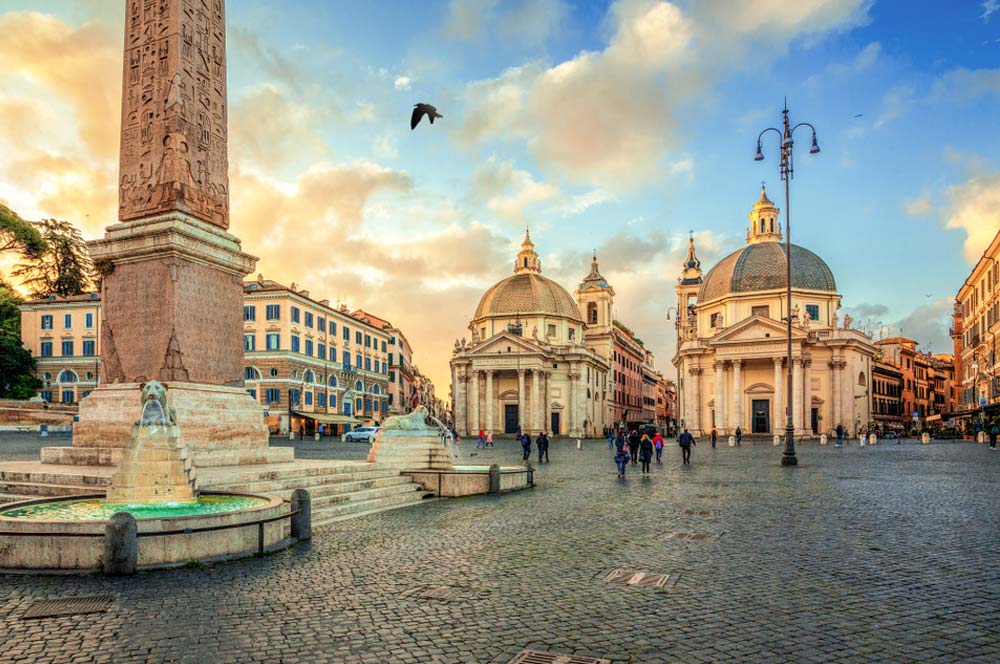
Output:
x=327 y=418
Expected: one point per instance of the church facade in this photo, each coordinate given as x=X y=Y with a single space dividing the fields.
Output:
x=538 y=360
x=732 y=341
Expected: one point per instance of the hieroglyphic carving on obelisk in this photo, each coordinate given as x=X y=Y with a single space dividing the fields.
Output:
x=173 y=143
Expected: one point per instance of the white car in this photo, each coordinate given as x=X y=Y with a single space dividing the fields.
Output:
x=361 y=434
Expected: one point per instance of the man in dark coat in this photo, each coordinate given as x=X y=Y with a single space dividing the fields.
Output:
x=543 y=447
x=686 y=440
x=633 y=443
x=526 y=446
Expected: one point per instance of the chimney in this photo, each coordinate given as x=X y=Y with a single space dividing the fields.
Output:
x=325 y=303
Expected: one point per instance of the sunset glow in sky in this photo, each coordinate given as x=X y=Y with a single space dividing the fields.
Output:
x=618 y=126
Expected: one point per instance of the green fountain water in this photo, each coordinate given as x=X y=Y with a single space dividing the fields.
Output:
x=94 y=509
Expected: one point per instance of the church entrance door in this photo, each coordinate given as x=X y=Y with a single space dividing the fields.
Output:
x=556 y=424
x=510 y=418
x=761 y=416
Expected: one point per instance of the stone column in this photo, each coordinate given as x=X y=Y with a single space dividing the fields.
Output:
x=547 y=404
x=720 y=396
x=737 y=419
x=778 y=417
x=474 y=423
x=695 y=425
x=806 y=396
x=461 y=402
x=797 y=394
x=834 y=395
x=490 y=403
x=520 y=399
x=536 y=423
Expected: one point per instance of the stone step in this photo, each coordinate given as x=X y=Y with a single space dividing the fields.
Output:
x=321 y=502
x=13 y=498
x=351 y=510
x=35 y=490
x=267 y=482
x=77 y=479
x=317 y=487
x=110 y=456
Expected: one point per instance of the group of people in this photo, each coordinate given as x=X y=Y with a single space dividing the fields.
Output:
x=541 y=443
x=640 y=448
x=485 y=440
x=738 y=435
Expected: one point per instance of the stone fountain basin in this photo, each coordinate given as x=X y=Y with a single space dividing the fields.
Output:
x=59 y=545
x=468 y=480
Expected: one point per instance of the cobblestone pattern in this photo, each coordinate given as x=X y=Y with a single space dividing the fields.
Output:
x=875 y=554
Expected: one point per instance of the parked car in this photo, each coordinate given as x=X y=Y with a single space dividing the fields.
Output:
x=362 y=435
x=889 y=435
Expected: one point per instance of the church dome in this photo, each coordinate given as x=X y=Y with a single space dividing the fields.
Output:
x=527 y=294
x=761 y=267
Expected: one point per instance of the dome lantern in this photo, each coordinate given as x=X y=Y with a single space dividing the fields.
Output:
x=527 y=260
x=764 y=226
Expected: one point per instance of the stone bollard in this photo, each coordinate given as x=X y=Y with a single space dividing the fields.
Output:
x=732 y=441
x=872 y=439
x=980 y=437
x=43 y=430
x=301 y=522
x=121 y=545
x=925 y=438
x=291 y=434
x=776 y=441
x=494 y=479
x=579 y=444
x=316 y=436
x=822 y=439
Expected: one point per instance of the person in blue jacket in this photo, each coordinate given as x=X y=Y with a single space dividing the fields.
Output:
x=526 y=446
x=686 y=440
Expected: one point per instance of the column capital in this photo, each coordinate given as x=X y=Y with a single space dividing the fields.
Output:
x=521 y=372
x=737 y=363
x=719 y=364
x=695 y=371
x=779 y=361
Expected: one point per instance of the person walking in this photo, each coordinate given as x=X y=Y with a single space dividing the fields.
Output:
x=481 y=443
x=715 y=435
x=840 y=435
x=739 y=436
x=611 y=438
x=645 y=453
x=658 y=444
x=621 y=454
x=686 y=440
x=489 y=439
x=542 y=442
x=994 y=431
x=525 y=446
x=633 y=445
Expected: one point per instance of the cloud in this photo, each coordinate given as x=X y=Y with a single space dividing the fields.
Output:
x=466 y=19
x=533 y=21
x=247 y=46
x=919 y=206
x=509 y=191
x=929 y=325
x=385 y=145
x=966 y=85
x=269 y=130
x=974 y=207
x=585 y=201
x=865 y=58
x=402 y=83
x=863 y=311
x=894 y=102
x=608 y=117
x=989 y=6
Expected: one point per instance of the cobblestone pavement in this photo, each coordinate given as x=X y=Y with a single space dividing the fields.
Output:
x=874 y=554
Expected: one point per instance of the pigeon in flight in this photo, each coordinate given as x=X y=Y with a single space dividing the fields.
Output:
x=858 y=115
x=419 y=111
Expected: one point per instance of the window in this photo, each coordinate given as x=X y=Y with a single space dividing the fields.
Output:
x=46 y=322
x=294 y=397
x=68 y=321
x=88 y=320
x=347 y=333
x=250 y=373
x=274 y=312
x=392 y=376
x=253 y=393
x=321 y=351
x=813 y=311
x=357 y=404
x=67 y=348
x=592 y=313
x=358 y=337
x=368 y=364
x=295 y=343
x=333 y=353
x=295 y=314
x=383 y=346
x=67 y=376
x=359 y=387
x=309 y=347
x=347 y=407
x=358 y=362
x=309 y=376
x=309 y=319
x=333 y=328
x=385 y=368
x=272 y=372
x=572 y=333
x=763 y=310
x=390 y=358
x=321 y=399
x=249 y=312
x=272 y=395
x=249 y=342
x=88 y=347
x=67 y=396
x=716 y=320
x=46 y=349
x=46 y=395
x=552 y=331
x=273 y=341
x=333 y=381
x=321 y=324
x=309 y=397
x=347 y=359
x=333 y=401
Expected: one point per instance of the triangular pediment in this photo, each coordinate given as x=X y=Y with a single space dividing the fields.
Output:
x=756 y=328
x=501 y=342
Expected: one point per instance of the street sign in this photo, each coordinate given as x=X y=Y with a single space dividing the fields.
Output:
x=983 y=401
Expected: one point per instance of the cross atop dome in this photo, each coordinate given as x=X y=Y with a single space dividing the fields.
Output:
x=527 y=260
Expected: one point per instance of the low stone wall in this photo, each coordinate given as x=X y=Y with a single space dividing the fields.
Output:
x=457 y=483
x=16 y=413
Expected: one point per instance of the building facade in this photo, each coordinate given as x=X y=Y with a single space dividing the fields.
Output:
x=63 y=335
x=529 y=366
x=732 y=341
x=888 y=412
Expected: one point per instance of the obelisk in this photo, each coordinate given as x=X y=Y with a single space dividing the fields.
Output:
x=171 y=276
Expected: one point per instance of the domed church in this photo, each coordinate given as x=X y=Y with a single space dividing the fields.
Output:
x=534 y=364
x=732 y=341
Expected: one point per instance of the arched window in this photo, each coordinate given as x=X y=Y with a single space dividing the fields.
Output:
x=592 y=313
x=376 y=390
x=251 y=373
x=763 y=226
x=68 y=376
x=862 y=381
x=333 y=381
x=525 y=261
x=772 y=225
x=309 y=376
x=358 y=387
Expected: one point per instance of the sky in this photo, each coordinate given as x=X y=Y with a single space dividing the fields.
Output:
x=615 y=126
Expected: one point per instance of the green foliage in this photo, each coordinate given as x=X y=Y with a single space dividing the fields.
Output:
x=64 y=268
x=19 y=235
x=10 y=315
x=16 y=365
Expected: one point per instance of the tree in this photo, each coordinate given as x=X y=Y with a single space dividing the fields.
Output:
x=64 y=268
x=19 y=235
x=16 y=365
x=10 y=314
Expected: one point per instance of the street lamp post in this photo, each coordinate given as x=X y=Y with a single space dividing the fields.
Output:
x=788 y=457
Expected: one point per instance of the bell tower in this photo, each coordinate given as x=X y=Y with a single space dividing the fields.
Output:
x=764 y=226
x=596 y=298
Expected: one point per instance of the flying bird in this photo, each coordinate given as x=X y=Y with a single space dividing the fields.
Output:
x=858 y=115
x=419 y=111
